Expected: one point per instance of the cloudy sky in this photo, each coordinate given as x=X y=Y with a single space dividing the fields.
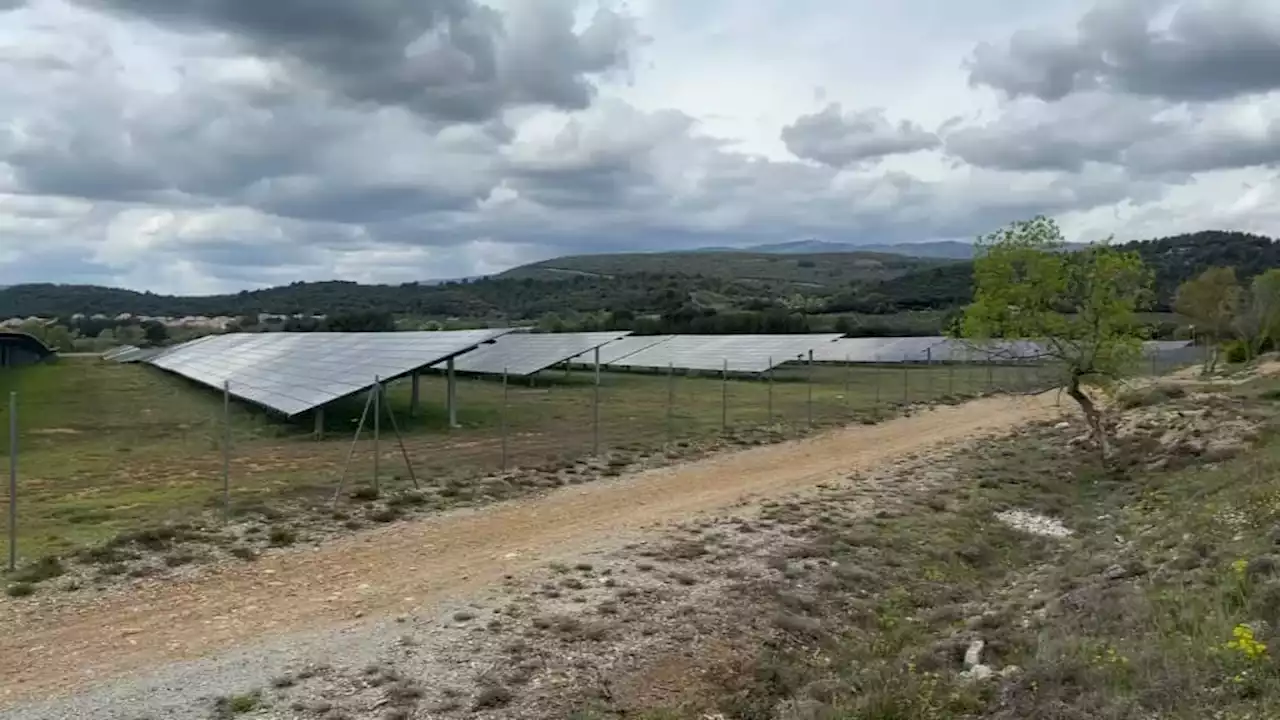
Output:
x=201 y=146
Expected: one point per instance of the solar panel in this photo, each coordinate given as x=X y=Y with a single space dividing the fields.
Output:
x=132 y=354
x=854 y=350
x=741 y=353
x=618 y=349
x=527 y=353
x=295 y=372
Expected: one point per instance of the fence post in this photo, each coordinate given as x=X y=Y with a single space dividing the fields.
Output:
x=502 y=417
x=13 y=481
x=226 y=450
x=906 y=382
x=875 y=380
x=951 y=378
x=724 y=395
x=808 y=380
x=769 y=382
x=595 y=407
x=671 y=401
x=377 y=431
x=990 y=376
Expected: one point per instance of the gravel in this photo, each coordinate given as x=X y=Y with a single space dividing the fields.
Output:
x=1034 y=523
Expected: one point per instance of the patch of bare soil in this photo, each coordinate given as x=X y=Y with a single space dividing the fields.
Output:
x=52 y=647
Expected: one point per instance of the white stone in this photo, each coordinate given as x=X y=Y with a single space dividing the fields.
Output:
x=1034 y=523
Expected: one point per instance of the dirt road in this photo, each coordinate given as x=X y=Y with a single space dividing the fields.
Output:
x=53 y=650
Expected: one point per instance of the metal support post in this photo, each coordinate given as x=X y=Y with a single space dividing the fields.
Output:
x=451 y=394
x=377 y=431
x=724 y=395
x=318 y=431
x=503 y=419
x=769 y=391
x=809 y=384
x=415 y=388
x=226 y=449
x=13 y=481
x=595 y=408
x=906 y=382
x=671 y=401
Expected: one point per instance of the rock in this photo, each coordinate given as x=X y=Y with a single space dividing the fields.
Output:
x=977 y=673
x=973 y=655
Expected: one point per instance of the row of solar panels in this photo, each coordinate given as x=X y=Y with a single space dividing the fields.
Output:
x=950 y=350
x=296 y=372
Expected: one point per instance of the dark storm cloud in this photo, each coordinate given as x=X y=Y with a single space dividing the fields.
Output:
x=836 y=138
x=1211 y=50
x=453 y=60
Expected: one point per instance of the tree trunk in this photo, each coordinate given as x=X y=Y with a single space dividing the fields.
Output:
x=1092 y=416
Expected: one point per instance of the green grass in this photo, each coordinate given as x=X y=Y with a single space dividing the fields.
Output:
x=107 y=448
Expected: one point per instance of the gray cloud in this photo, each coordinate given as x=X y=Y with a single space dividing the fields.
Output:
x=454 y=60
x=834 y=137
x=1210 y=50
x=1146 y=136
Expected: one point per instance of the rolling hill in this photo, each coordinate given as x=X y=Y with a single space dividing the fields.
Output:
x=658 y=292
x=813 y=269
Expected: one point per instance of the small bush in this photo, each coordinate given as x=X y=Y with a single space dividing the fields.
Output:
x=1147 y=397
x=46 y=568
x=366 y=493
x=386 y=515
x=243 y=552
x=225 y=707
x=282 y=536
x=177 y=559
x=492 y=695
x=20 y=589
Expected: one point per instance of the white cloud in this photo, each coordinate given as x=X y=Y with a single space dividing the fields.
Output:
x=212 y=145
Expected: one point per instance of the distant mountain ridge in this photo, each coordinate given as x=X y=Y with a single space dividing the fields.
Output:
x=937 y=249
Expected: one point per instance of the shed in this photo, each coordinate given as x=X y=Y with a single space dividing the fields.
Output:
x=17 y=349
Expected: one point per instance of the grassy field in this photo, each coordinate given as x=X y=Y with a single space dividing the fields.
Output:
x=106 y=448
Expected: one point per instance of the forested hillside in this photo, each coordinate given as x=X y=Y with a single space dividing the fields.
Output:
x=725 y=292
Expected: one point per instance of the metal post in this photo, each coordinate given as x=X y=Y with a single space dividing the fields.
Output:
x=928 y=374
x=226 y=449
x=415 y=387
x=404 y=451
x=769 y=391
x=724 y=395
x=951 y=379
x=451 y=394
x=906 y=382
x=13 y=481
x=503 y=419
x=351 y=452
x=875 y=380
x=595 y=408
x=318 y=416
x=671 y=400
x=848 y=370
x=377 y=430
x=809 y=384
x=990 y=376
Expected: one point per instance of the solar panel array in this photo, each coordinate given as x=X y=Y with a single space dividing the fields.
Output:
x=296 y=372
x=131 y=354
x=615 y=351
x=736 y=353
x=521 y=353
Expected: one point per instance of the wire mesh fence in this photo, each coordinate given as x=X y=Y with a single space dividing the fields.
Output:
x=100 y=448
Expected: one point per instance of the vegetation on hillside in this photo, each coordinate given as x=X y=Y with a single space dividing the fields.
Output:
x=660 y=292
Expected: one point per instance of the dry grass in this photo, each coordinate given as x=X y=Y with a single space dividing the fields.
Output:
x=1164 y=603
x=107 y=448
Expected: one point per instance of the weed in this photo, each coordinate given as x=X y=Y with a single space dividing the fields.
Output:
x=179 y=558
x=386 y=514
x=281 y=536
x=231 y=705
x=46 y=568
x=243 y=552
x=365 y=493
x=20 y=589
x=492 y=695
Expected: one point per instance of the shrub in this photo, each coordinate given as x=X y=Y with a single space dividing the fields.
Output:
x=20 y=589
x=46 y=568
x=282 y=536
